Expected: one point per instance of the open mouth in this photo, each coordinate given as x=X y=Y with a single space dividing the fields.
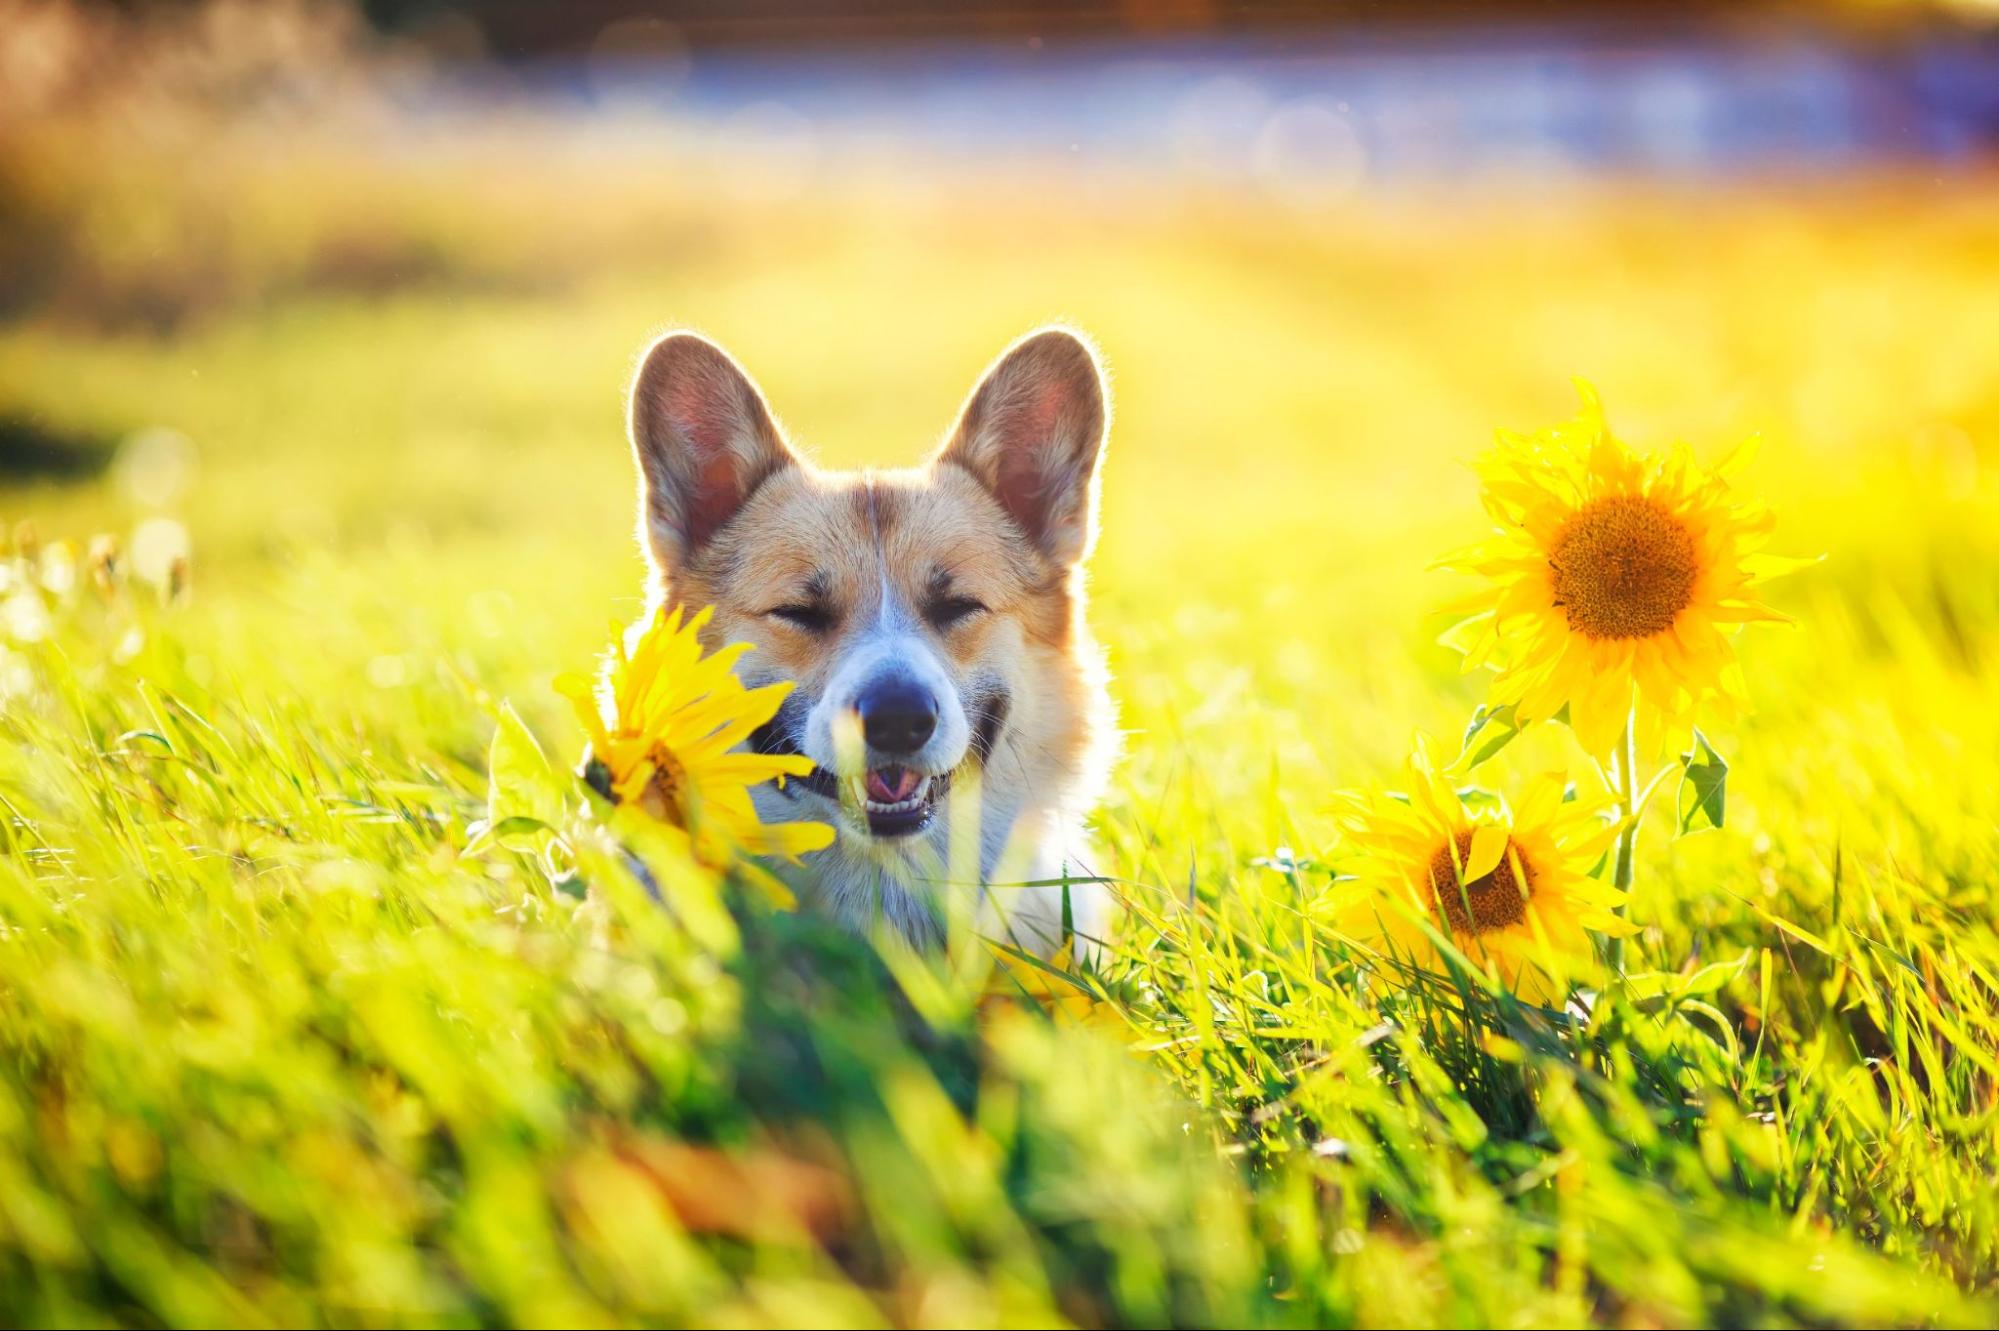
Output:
x=896 y=800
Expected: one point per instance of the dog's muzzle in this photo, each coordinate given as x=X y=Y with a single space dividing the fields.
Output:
x=894 y=799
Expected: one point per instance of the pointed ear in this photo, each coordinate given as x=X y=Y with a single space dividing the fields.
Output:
x=1032 y=432
x=704 y=441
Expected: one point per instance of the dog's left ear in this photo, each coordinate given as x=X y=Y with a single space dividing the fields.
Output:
x=704 y=440
x=1032 y=432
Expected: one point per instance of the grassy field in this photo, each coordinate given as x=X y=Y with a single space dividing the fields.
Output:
x=275 y=1049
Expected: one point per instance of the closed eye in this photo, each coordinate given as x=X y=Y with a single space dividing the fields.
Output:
x=811 y=618
x=953 y=610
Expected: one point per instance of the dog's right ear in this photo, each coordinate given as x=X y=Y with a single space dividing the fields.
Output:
x=1033 y=432
x=704 y=440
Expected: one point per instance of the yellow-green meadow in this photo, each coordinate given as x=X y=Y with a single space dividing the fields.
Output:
x=284 y=1039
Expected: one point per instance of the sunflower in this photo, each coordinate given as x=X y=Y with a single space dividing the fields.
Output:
x=662 y=726
x=1512 y=889
x=1616 y=580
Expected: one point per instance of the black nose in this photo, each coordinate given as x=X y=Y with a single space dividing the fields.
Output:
x=897 y=716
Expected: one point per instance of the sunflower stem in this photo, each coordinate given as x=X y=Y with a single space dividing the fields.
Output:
x=1630 y=808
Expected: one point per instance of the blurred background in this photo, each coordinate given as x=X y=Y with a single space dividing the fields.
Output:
x=340 y=299
x=113 y=114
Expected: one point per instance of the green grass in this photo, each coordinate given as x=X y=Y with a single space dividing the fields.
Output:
x=274 y=1048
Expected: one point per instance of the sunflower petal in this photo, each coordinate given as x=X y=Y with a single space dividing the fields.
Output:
x=1488 y=847
x=668 y=723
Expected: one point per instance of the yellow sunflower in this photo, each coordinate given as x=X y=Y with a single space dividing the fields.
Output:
x=1512 y=889
x=662 y=726
x=1616 y=580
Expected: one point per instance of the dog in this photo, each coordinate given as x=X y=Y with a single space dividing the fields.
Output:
x=932 y=621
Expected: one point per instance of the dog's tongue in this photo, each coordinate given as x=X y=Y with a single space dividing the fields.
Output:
x=892 y=785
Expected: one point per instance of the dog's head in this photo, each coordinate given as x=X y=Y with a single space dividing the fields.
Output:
x=930 y=618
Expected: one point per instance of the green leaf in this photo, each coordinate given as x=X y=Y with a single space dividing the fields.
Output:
x=1497 y=725
x=525 y=796
x=518 y=830
x=1710 y=978
x=1703 y=787
x=1677 y=986
x=1477 y=798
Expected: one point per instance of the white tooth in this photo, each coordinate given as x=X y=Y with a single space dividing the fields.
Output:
x=922 y=791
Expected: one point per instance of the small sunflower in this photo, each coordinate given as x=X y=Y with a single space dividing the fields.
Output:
x=1616 y=579
x=1512 y=889
x=662 y=726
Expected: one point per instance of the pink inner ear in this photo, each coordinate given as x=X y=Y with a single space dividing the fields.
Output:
x=696 y=405
x=1022 y=488
x=1026 y=467
x=690 y=405
x=1023 y=476
x=714 y=495
x=1037 y=424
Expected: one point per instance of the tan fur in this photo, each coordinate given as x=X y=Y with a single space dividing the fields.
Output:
x=1002 y=514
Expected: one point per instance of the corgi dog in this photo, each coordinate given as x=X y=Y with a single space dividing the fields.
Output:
x=930 y=619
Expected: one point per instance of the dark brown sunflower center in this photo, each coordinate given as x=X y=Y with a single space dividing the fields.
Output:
x=1624 y=568
x=1496 y=901
x=665 y=794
